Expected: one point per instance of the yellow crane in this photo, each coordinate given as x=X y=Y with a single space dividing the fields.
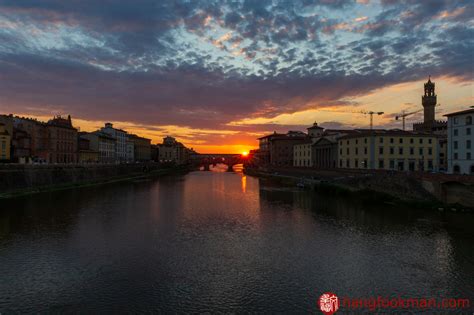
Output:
x=403 y=115
x=365 y=112
x=371 y=113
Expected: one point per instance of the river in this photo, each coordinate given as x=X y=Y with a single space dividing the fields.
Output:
x=221 y=242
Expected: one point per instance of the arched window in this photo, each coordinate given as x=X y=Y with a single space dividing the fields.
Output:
x=456 y=169
x=469 y=120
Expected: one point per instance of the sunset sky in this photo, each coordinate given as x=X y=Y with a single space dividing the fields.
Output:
x=218 y=74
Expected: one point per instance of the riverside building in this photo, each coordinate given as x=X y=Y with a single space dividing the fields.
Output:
x=460 y=142
x=389 y=150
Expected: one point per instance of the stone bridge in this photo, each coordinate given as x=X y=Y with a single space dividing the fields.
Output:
x=206 y=160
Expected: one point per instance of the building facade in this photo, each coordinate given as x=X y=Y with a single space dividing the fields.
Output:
x=120 y=137
x=302 y=154
x=39 y=138
x=5 y=144
x=141 y=148
x=62 y=140
x=130 y=149
x=460 y=142
x=21 y=147
x=85 y=154
x=389 y=150
x=281 y=147
x=102 y=143
x=324 y=153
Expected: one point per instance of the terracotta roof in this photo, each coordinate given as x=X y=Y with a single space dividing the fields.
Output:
x=467 y=111
x=272 y=135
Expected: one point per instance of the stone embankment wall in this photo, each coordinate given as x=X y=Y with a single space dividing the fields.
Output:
x=420 y=187
x=396 y=185
x=23 y=178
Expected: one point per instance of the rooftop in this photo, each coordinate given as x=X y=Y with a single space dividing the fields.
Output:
x=467 y=111
x=385 y=132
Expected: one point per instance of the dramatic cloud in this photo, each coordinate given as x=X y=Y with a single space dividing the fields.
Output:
x=209 y=64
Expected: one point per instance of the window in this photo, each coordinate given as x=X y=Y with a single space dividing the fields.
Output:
x=365 y=163
x=468 y=131
x=400 y=140
x=468 y=155
x=340 y=163
x=455 y=144
x=357 y=150
x=347 y=163
x=456 y=169
x=392 y=164
x=356 y=163
x=430 y=141
x=401 y=165
x=347 y=151
x=400 y=150
x=421 y=151
x=357 y=141
x=412 y=151
x=455 y=120
x=430 y=151
x=430 y=164
x=381 y=150
x=365 y=140
x=340 y=151
x=381 y=164
x=455 y=155
x=421 y=140
x=468 y=144
x=392 y=150
x=468 y=120
x=381 y=140
x=365 y=150
x=455 y=132
x=411 y=140
x=391 y=140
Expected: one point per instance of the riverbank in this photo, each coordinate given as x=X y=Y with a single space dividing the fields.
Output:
x=386 y=187
x=20 y=180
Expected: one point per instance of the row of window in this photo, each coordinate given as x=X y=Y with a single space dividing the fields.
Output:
x=392 y=140
x=468 y=144
x=302 y=162
x=65 y=146
x=303 y=153
x=66 y=134
x=468 y=120
x=456 y=156
x=391 y=151
x=456 y=132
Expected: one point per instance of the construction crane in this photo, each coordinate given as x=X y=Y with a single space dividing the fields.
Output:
x=371 y=113
x=403 y=115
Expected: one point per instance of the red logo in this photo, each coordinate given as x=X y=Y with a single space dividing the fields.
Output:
x=328 y=303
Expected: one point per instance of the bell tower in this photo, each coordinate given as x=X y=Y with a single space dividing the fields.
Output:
x=429 y=102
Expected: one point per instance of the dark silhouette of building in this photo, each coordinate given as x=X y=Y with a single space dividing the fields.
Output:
x=62 y=140
x=429 y=101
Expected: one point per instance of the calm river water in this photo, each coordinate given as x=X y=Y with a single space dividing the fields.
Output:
x=221 y=242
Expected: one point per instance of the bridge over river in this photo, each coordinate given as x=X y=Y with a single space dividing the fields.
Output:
x=208 y=159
